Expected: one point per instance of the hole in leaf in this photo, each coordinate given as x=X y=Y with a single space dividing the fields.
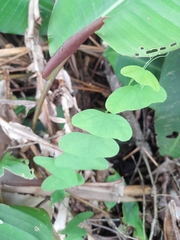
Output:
x=172 y=135
x=136 y=54
x=141 y=48
x=162 y=48
x=152 y=51
x=173 y=44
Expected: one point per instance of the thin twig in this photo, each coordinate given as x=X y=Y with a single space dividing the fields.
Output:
x=150 y=157
x=144 y=200
x=13 y=58
x=154 y=193
x=89 y=204
x=131 y=153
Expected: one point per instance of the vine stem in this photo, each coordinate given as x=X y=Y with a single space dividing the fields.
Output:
x=49 y=83
x=40 y=103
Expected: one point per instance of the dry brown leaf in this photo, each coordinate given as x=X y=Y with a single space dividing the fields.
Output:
x=172 y=222
x=27 y=104
x=24 y=134
x=167 y=166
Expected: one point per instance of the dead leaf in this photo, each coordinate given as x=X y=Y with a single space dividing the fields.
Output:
x=27 y=104
x=172 y=222
x=24 y=134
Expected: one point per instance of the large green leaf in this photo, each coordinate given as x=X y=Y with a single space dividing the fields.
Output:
x=17 y=166
x=84 y=145
x=118 y=61
x=167 y=121
x=18 y=223
x=67 y=160
x=133 y=98
x=14 y=14
x=103 y=124
x=133 y=28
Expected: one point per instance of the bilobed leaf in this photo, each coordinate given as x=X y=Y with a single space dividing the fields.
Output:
x=118 y=61
x=71 y=226
x=14 y=15
x=53 y=183
x=80 y=163
x=131 y=218
x=103 y=124
x=167 y=115
x=46 y=162
x=17 y=166
x=141 y=76
x=57 y=196
x=84 y=145
x=61 y=178
x=132 y=28
x=133 y=98
x=27 y=222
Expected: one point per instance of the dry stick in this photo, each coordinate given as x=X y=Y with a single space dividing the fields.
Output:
x=131 y=153
x=109 y=229
x=150 y=157
x=95 y=68
x=94 y=85
x=87 y=89
x=13 y=58
x=136 y=169
x=34 y=18
x=154 y=193
x=89 y=204
x=104 y=227
x=144 y=200
x=94 y=41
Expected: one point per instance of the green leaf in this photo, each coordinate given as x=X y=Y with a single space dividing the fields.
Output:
x=48 y=163
x=17 y=166
x=62 y=177
x=76 y=232
x=30 y=223
x=167 y=115
x=70 y=237
x=14 y=15
x=131 y=218
x=84 y=145
x=111 y=178
x=80 y=163
x=133 y=98
x=57 y=196
x=133 y=28
x=71 y=227
x=52 y=182
x=118 y=61
x=141 y=76
x=103 y=124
